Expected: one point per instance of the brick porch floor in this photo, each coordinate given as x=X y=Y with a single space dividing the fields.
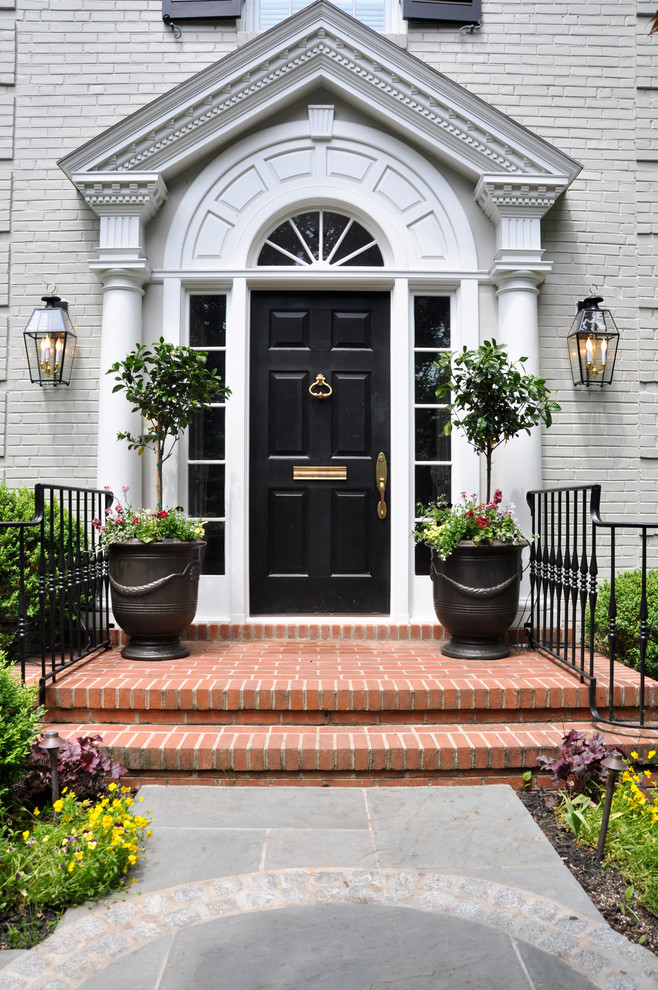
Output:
x=333 y=711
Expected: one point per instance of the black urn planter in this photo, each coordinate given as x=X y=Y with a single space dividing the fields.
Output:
x=476 y=597
x=154 y=595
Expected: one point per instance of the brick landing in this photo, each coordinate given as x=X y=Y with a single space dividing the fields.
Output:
x=331 y=712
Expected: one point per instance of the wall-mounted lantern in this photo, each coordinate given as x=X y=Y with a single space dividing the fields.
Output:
x=50 y=342
x=593 y=341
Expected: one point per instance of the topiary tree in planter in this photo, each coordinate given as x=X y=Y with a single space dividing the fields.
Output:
x=491 y=400
x=168 y=385
x=155 y=557
x=476 y=548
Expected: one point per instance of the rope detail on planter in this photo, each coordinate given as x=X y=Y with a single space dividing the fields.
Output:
x=481 y=592
x=192 y=571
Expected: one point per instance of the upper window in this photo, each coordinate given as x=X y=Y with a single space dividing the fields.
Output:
x=320 y=238
x=468 y=12
x=370 y=12
x=199 y=10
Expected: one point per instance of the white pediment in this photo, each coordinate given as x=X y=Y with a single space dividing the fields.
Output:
x=319 y=46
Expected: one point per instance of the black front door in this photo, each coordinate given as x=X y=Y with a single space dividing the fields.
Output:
x=319 y=531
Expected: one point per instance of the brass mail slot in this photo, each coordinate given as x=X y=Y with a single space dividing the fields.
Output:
x=303 y=472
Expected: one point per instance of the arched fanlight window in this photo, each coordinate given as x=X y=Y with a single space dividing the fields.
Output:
x=320 y=237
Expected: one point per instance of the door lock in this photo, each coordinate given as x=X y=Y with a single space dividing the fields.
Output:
x=381 y=474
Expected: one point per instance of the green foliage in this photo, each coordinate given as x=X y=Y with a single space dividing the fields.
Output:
x=125 y=523
x=442 y=526
x=628 y=594
x=573 y=811
x=167 y=385
x=83 y=850
x=17 y=505
x=632 y=836
x=491 y=401
x=19 y=719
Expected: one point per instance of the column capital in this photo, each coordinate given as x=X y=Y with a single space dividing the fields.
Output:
x=130 y=275
x=518 y=196
x=138 y=194
x=509 y=278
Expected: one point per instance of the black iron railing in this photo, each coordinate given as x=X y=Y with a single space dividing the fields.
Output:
x=63 y=611
x=564 y=571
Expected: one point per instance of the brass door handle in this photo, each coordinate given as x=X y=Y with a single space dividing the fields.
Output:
x=320 y=382
x=381 y=475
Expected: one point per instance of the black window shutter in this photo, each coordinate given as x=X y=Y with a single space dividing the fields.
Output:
x=199 y=10
x=467 y=12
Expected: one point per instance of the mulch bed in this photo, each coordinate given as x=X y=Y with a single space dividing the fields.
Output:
x=33 y=928
x=603 y=884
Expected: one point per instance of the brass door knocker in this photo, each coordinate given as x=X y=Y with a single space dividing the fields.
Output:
x=320 y=382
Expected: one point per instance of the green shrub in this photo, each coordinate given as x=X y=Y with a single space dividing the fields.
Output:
x=17 y=504
x=19 y=718
x=628 y=591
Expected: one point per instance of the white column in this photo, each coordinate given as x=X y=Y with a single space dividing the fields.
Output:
x=517 y=466
x=121 y=331
x=125 y=202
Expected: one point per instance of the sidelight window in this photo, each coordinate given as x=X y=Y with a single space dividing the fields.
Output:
x=206 y=454
x=432 y=448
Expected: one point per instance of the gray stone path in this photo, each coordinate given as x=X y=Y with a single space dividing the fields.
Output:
x=357 y=889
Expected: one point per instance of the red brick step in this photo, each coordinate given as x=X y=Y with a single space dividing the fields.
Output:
x=334 y=711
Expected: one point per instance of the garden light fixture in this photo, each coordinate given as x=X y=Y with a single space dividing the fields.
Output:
x=614 y=765
x=592 y=342
x=53 y=742
x=50 y=342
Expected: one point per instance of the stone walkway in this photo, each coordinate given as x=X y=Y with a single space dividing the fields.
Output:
x=299 y=888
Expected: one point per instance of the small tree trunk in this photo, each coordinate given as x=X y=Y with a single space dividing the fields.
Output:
x=158 y=470
x=489 y=459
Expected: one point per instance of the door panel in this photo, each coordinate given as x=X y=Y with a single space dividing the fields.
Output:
x=317 y=545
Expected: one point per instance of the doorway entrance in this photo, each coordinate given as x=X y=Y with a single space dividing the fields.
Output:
x=319 y=517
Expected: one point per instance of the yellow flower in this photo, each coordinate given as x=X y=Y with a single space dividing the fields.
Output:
x=651 y=754
x=112 y=787
x=635 y=755
x=36 y=811
x=26 y=835
x=71 y=866
x=79 y=856
x=58 y=805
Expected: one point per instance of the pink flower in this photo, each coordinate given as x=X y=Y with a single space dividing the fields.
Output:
x=125 y=489
x=482 y=522
x=136 y=520
x=498 y=497
x=470 y=514
x=96 y=523
x=161 y=514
